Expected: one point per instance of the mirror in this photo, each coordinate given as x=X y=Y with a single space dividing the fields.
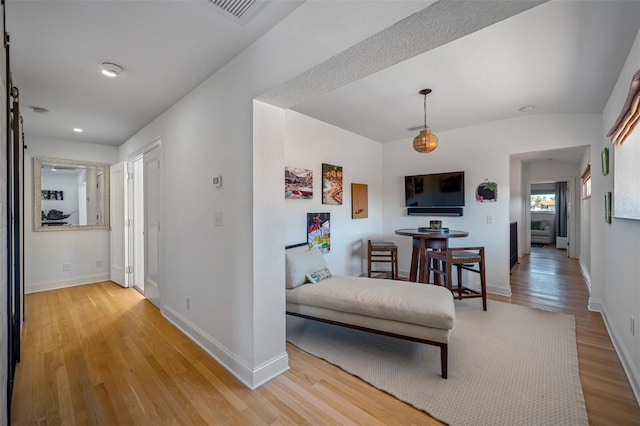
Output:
x=70 y=195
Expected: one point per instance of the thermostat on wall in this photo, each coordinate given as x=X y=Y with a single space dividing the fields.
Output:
x=217 y=181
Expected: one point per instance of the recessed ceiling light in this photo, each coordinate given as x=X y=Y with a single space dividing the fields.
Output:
x=110 y=69
x=78 y=130
x=527 y=108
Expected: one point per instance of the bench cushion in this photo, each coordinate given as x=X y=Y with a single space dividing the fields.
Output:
x=421 y=304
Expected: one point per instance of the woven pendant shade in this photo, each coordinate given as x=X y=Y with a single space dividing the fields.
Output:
x=425 y=142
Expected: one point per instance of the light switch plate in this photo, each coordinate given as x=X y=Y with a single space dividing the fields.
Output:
x=217 y=181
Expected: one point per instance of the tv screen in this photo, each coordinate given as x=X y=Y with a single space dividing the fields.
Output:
x=434 y=190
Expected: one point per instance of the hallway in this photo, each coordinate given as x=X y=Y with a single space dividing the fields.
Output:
x=548 y=279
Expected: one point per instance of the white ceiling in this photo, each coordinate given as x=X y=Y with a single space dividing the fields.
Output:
x=562 y=56
x=166 y=48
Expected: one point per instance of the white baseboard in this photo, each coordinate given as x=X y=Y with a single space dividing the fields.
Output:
x=595 y=305
x=250 y=377
x=586 y=274
x=625 y=359
x=500 y=291
x=55 y=285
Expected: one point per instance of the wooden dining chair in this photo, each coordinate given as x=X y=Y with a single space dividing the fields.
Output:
x=382 y=252
x=441 y=263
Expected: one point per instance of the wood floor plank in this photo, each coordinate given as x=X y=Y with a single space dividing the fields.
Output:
x=101 y=354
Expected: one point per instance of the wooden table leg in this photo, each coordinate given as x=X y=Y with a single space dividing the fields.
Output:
x=413 y=273
x=423 y=265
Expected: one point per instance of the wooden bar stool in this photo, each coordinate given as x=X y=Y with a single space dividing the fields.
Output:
x=467 y=258
x=383 y=252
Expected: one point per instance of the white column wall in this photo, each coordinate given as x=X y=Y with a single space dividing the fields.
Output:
x=516 y=206
x=482 y=152
x=309 y=143
x=45 y=252
x=585 y=223
x=208 y=133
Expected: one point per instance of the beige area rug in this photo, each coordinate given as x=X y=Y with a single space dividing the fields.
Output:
x=509 y=366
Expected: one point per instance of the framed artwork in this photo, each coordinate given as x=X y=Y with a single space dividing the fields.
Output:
x=487 y=192
x=51 y=195
x=331 y=184
x=359 y=200
x=607 y=207
x=319 y=231
x=298 y=183
x=604 y=155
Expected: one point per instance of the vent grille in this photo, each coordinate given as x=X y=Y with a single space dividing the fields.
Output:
x=234 y=9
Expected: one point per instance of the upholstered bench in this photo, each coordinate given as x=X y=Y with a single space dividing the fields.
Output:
x=422 y=313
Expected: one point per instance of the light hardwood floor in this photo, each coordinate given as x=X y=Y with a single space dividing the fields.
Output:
x=101 y=354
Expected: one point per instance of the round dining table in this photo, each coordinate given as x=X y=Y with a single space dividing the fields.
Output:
x=423 y=241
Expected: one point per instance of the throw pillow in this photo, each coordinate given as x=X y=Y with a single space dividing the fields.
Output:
x=320 y=275
x=300 y=263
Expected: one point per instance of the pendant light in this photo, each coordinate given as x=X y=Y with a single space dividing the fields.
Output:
x=426 y=141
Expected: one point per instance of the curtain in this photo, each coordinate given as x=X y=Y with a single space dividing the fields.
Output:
x=561 y=209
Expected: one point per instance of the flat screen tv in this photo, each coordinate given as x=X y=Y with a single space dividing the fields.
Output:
x=434 y=190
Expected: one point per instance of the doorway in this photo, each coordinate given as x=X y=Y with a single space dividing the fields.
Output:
x=552 y=215
x=135 y=222
x=144 y=238
x=138 y=225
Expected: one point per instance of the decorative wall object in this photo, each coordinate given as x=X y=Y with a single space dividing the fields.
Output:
x=607 y=207
x=51 y=195
x=318 y=231
x=331 y=184
x=604 y=156
x=487 y=192
x=629 y=115
x=359 y=200
x=298 y=183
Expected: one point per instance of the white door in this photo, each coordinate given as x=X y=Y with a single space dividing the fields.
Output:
x=119 y=219
x=152 y=226
x=138 y=224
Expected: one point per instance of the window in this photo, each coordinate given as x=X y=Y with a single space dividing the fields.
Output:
x=543 y=202
x=586 y=182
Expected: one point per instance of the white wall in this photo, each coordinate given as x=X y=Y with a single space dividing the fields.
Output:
x=46 y=252
x=615 y=248
x=226 y=270
x=308 y=144
x=517 y=201
x=585 y=223
x=483 y=152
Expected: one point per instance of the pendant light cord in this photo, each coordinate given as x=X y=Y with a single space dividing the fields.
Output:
x=425 y=111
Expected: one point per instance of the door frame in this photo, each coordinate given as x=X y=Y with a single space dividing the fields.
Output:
x=133 y=194
x=573 y=231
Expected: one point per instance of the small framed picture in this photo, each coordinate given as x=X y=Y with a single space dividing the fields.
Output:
x=607 y=207
x=605 y=161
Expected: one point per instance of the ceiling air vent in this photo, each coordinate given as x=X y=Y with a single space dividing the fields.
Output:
x=236 y=10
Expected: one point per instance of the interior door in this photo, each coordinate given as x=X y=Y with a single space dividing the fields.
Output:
x=152 y=226
x=119 y=221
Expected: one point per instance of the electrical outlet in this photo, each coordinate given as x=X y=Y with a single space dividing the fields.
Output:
x=66 y=267
x=218 y=218
x=188 y=303
x=490 y=220
x=98 y=263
